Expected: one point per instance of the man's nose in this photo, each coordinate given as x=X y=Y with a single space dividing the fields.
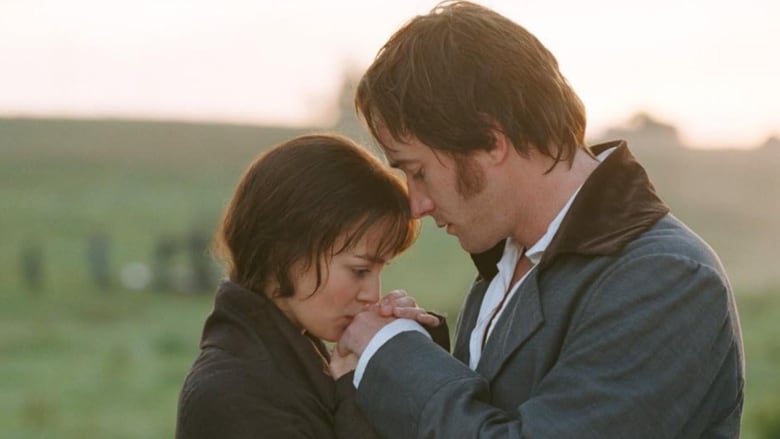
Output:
x=420 y=203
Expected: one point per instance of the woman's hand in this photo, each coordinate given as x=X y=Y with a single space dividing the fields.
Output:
x=341 y=364
x=398 y=304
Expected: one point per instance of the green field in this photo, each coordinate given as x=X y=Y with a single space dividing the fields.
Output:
x=81 y=362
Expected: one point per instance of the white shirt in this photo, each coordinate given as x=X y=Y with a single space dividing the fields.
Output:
x=500 y=283
x=493 y=295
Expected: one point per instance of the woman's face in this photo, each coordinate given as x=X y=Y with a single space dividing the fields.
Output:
x=350 y=283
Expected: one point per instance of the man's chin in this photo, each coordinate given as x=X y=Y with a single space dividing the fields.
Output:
x=468 y=246
x=474 y=248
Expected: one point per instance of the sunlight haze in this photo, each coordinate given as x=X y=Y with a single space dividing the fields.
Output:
x=708 y=67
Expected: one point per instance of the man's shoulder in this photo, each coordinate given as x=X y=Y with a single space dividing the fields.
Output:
x=671 y=238
x=667 y=249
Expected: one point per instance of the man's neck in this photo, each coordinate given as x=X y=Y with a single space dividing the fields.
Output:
x=553 y=191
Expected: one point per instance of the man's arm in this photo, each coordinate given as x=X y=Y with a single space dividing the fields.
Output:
x=396 y=313
x=348 y=420
x=642 y=351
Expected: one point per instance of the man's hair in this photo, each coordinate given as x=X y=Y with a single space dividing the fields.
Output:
x=452 y=76
x=299 y=200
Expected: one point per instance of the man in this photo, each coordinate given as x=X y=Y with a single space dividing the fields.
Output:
x=595 y=313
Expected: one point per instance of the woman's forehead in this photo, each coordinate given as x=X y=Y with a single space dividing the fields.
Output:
x=370 y=244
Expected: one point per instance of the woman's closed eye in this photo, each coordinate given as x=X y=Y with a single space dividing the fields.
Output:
x=361 y=273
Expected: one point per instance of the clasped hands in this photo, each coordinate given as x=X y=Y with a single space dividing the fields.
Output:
x=394 y=305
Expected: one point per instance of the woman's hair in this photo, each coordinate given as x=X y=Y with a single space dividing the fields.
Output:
x=451 y=77
x=297 y=201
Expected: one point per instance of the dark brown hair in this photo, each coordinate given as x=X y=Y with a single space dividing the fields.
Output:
x=450 y=77
x=298 y=199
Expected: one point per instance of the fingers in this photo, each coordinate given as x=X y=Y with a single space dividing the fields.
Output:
x=405 y=302
x=360 y=332
x=429 y=320
x=395 y=299
x=398 y=304
x=341 y=364
x=388 y=309
x=387 y=303
x=341 y=350
x=417 y=314
x=393 y=295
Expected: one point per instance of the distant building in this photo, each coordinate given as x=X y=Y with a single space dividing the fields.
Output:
x=643 y=130
x=772 y=144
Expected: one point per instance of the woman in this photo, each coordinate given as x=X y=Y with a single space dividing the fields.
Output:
x=311 y=225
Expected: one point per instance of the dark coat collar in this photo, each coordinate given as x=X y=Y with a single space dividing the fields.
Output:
x=239 y=309
x=257 y=315
x=244 y=321
x=616 y=204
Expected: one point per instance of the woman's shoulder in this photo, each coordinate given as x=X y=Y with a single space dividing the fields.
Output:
x=218 y=377
x=218 y=373
x=217 y=370
x=223 y=393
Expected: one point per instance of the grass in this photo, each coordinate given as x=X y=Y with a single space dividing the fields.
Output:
x=111 y=365
x=96 y=366
x=78 y=362
x=759 y=315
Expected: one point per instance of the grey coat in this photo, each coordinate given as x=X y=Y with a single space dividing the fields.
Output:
x=626 y=329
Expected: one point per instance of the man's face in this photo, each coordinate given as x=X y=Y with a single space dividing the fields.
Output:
x=452 y=192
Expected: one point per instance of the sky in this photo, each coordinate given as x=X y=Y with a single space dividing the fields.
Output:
x=710 y=67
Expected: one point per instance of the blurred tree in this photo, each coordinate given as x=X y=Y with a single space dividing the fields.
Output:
x=348 y=123
x=772 y=144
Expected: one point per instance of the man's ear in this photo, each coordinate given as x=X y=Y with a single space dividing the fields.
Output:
x=502 y=146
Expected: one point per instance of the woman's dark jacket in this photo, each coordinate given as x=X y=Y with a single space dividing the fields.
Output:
x=258 y=376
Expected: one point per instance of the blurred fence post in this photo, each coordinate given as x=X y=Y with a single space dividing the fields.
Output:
x=31 y=264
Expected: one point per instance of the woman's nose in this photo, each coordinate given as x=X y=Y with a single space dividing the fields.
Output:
x=370 y=291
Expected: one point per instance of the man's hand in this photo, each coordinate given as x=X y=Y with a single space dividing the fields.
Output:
x=362 y=329
x=398 y=304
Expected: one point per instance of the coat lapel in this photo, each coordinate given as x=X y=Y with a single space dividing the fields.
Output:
x=486 y=265
x=616 y=204
x=468 y=319
x=519 y=320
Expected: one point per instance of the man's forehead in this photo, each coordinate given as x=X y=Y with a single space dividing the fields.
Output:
x=393 y=144
x=396 y=158
x=391 y=151
x=400 y=151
